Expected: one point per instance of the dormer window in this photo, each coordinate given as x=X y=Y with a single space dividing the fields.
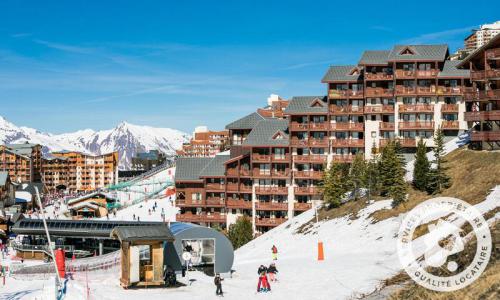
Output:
x=407 y=51
x=316 y=103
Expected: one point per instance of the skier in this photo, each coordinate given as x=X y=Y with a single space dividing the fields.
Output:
x=275 y=252
x=272 y=272
x=262 y=269
x=133 y=216
x=263 y=285
x=218 y=284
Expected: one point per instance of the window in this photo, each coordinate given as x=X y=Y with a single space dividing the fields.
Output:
x=373 y=117
x=265 y=169
x=196 y=196
x=374 y=134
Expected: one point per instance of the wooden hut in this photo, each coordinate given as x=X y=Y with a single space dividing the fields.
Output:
x=142 y=255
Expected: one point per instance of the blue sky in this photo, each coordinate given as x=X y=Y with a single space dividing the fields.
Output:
x=69 y=65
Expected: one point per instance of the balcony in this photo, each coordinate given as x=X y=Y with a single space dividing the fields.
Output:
x=485 y=136
x=426 y=90
x=379 y=109
x=488 y=95
x=485 y=74
x=295 y=126
x=308 y=174
x=260 y=157
x=489 y=115
x=336 y=94
x=245 y=173
x=275 y=190
x=232 y=187
x=214 y=186
x=312 y=158
x=447 y=90
x=280 y=158
x=347 y=126
x=427 y=73
x=492 y=53
x=212 y=218
x=307 y=190
x=405 y=90
x=319 y=126
x=242 y=204
x=408 y=142
x=280 y=173
x=450 y=125
x=245 y=188
x=215 y=202
x=232 y=172
x=271 y=206
x=413 y=108
x=387 y=126
x=299 y=206
x=343 y=143
x=346 y=109
x=314 y=142
x=378 y=76
x=298 y=142
x=188 y=203
x=405 y=74
x=261 y=173
x=379 y=92
x=449 y=108
x=414 y=125
x=269 y=222
x=348 y=158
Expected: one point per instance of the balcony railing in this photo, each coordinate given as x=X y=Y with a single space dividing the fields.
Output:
x=307 y=190
x=348 y=158
x=447 y=90
x=347 y=126
x=485 y=74
x=299 y=126
x=449 y=108
x=214 y=186
x=300 y=206
x=299 y=142
x=233 y=203
x=401 y=74
x=188 y=203
x=489 y=115
x=485 y=136
x=426 y=90
x=342 y=143
x=379 y=109
x=346 y=109
x=492 y=53
x=488 y=95
x=427 y=73
x=232 y=172
x=308 y=174
x=269 y=222
x=245 y=172
x=404 y=142
x=280 y=173
x=416 y=125
x=188 y=217
x=280 y=158
x=416 y=108
x=261 y=157
x=245 y=188
x=390 y=126
x=271 y=190
x=271 y=206
x=215 y=201
x=405 y=90
x=378 y=76
x=334 y=94
x=312 y=158
x=379 y=92
x=450 y=124
x=318 y=142
x=319 y=126
x=232 y=187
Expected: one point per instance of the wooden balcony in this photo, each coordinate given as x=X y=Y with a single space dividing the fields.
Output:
x=336 y=94
x=449 y=108
x=269 y=222
x=261 y=173
x=415 y=108
x=344 y=143
x=280 y=158
x=188 y=203
x=474 y=116
x=379 y=92
x=405 y=90
x=261 y=157
x=240 y=203
x=232 y=172
x=404 y=74
x=312 y=158
x=324 y=142
x=294 y=141
x=492 y=54
x=271 y=206
x=232 y=187
x=347 y=109
x=488 y=95
x=470 y=94
x=347 y=126
x=307 y=190
x=450 y=125
x=485 y=136
x=426 y=90
x=245 y=173
x=379 y=109
x=275 y=190
x=295 y=126
x=299 y=206
x=343 y=158
x=215 y=202
x=414 y=125
x=245 y=188
x=280 y=173
x=378 y=76
x=404 y=142
x=485 y=74
x=214 y=187
x=447 y=90
x=387 y=126
x=319 y=126
x=308 y=174
x=427 y=73
x=199 y=218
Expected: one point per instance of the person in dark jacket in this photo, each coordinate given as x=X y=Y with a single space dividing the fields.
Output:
x=218 y=284
x=272 y=271
x=169 y=276
x=262 y=269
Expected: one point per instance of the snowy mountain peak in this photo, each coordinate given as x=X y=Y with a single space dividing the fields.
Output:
x=126 y=138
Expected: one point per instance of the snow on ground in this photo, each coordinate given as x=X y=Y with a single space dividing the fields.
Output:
x=142 y=210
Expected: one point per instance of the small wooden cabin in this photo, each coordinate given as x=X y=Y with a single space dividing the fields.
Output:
x=142 y=255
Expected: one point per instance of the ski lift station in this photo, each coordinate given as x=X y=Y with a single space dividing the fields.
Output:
x=206 y=248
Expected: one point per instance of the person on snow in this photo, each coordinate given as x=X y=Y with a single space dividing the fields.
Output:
x=169 y=276
x=262 y=269
x=263 y=285
x=275 y=252
x=218 y=284
x=272 y=271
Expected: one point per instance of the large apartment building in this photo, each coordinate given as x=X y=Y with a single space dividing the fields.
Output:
x=205 y=143
x=276 y=161
x=481 y=36
x=77 y=172
x=23 y=162
x=483 y=100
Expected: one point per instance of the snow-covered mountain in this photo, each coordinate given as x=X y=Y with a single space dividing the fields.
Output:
x=125 y=138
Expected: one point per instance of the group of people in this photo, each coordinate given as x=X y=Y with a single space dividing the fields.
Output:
x=264 y=282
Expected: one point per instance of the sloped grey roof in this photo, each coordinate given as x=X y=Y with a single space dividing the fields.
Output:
x=421 y=52
x=141 y=233
x=302 y=104
x=263 y=133
x=374 y=57
x=189 y=168
x=215 y=167
x=247 y=122
x=450 y=70
x=341 y=73
x=3 y=178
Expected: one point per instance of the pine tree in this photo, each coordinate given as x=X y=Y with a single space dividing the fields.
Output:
x=422 y=167
x=335 y=184
x=438 y=179
x=387 y=165
x=357 y=175
x=240 y=232
x=372 y=176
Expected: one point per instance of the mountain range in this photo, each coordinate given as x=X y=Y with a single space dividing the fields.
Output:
x=126 y=138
